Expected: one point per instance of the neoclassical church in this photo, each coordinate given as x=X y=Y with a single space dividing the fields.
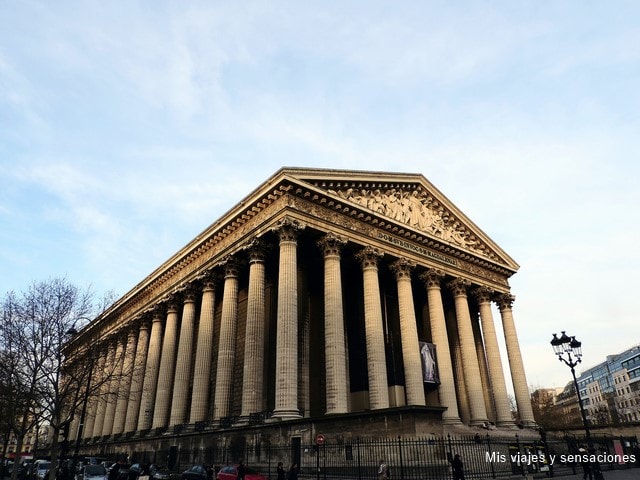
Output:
x=351 y=303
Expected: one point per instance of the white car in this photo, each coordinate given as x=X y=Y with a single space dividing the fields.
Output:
x=92 y=472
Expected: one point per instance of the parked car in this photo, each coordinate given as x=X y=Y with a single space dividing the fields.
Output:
x=196 y=472
x=92 y=472
x=153 y=471
x=230 y=472
x=135 y=470
x=41 y=469
x=118 y=471
x=159 y=473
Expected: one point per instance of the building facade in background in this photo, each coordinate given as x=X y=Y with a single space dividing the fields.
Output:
x=346 y=303
x=610 y=393
x=611 y=389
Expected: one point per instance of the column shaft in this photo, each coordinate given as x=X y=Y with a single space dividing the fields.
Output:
x=113 y=392
x=447 y=388
x=167 y=369
x=124 y=388
x=286 y=385
x=182 y=380
x=202 y=371
x=484 y=371
x=335 y=341
x=413 y=379
x=94 y=397
x=469 y=356
x=227 y=345
x=151 y=371
x=518 y=377
x=104 y=390
x=304 y=343
x=137 y=379
x=494 y=362
x=374 y=330
x=253 y=373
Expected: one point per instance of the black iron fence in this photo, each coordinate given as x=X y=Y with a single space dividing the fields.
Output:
x=483 y=456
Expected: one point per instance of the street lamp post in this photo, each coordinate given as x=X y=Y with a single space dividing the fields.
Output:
x=569 y=351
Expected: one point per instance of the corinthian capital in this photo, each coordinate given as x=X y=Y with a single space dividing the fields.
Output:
x=331 y=244
x=257 y=250
x=231 y=266
x=459 y=287
x=288 y=229
x=432 y=277
x=505 y=301
x=369 y=257
x=483 y=294
x=402 y=268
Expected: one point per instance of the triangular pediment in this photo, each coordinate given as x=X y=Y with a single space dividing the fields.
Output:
x=409 y=200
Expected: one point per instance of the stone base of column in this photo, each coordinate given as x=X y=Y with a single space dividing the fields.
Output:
x=242 y=421
x=507 y=424
x=452 y=421
x=283 y=415
x=479 y=422
x=531 y=424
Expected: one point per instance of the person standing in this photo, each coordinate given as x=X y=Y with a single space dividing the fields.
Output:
x=457 y=467
x=293 y=472
x=242 y=470
x=280 y=471
x=383 y=470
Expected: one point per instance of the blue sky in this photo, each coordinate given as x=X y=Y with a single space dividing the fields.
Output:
x=126 y=128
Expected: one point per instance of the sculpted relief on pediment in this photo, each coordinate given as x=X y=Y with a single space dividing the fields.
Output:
x=417 y=210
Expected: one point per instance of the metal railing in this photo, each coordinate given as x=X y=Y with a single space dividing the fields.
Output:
x=483 y=456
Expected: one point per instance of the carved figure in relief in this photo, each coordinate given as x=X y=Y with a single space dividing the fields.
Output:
x=410 y=208
x=391 y=203
x=416 y=210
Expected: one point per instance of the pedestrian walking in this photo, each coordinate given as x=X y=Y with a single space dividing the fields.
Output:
x=280 y=471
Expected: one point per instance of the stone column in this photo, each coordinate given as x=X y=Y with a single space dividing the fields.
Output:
x=484 y=371
x=150 y=378
x=202 y=371
x=414 y=382
x=494 y=362
x=374 y=329
x=227 y=345
x=286 y=384
x=335 y=350
x=167 y=367
x=458 y=368
x=124 y=388
x=92 y=406
x=105 y=374
x=113 y=393
x=520 y=386
x=304 y=343
x=447 y=389
x=470 y=365
x=137 y=377
x=182 y=379
x=253 y=373
x=75 y=425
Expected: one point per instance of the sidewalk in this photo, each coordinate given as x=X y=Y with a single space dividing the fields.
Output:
x=626 y=474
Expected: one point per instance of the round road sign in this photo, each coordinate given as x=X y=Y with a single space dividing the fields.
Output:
x=319 y=439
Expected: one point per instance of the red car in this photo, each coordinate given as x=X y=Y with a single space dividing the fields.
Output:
x=230 y=472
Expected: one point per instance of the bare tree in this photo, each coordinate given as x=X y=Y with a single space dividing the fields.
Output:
x=54 y=386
